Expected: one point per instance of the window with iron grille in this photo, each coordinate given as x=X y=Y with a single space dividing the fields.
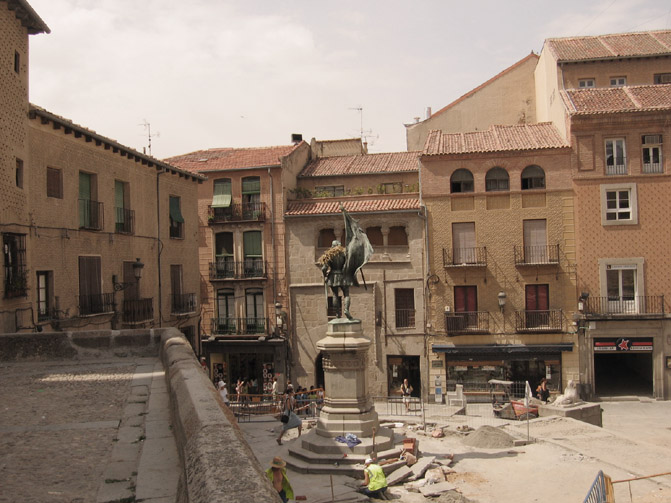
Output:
x=16 y=278
x=55 y=183
x=405 y=307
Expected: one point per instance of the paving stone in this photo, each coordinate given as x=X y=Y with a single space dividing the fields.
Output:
x=420 y=468
x=398 y=475
x=430 y=490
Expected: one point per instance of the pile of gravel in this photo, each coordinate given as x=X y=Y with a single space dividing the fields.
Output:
x=489 y=437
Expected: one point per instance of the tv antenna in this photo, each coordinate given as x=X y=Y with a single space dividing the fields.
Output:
x=147 y=127
x=364 y=134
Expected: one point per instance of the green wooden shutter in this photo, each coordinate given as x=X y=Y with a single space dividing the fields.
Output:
x=222 y=193
x=251 y=185
x=175 y=212
x=252 y=243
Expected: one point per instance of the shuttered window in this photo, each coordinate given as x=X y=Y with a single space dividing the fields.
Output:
x=222 y=193
x=252 y=244
x=54 y=183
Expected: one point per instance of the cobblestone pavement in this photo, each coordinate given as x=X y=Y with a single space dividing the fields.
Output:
x=85 y=432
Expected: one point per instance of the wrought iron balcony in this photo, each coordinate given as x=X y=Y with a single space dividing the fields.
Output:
x=226 y=327
x=468 y=322
x=230 y=269
x=549 y=321
x=90 y=215
x=237 y=212
x=138 y=311
x=465 y=257
x=97 y=303
x=537 y=255
x=641 y=305
x=183 y=303
x=124 y=221
x=16 y=281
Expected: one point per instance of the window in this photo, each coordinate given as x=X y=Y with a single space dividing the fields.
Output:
x=537 y=305
x=221 y=198
x=329 y=191
x=90 y=210
x=251 y=197
x=652 y=153
x=535 y=241
x=55 y=183
x=375 y=236
x=390 y=188
x=466 y=307
x=223 y=255
x=662 y=78
x=253 y=252
x=619 y=204
x=463 y=243
x=44 y=296
x=326 y=237
x=622 y=282
x=618 y=81
x=225 y=322
x=397 y=236
x=497 y=179
x=616 y=158
x=533 y=177
x=182 y=303
x=16 y=274
x=176 y=218
x=19 y=173
x=17 y=62
x=461 y=181
x=405 y=307
x=91 y=298
x=255 y=321
x=123 y=216
x=585 y=83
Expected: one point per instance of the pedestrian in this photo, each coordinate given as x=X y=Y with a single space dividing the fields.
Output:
x=275 y=388
x=203 y=363
x=223 y=392
x=406 y=391
x=289 y=410
x=238 y=389
x=277 y=474
x=375 y=482
x=542 y=391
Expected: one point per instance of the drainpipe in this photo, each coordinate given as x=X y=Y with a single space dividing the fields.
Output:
x=160 y=247
x=422 y=213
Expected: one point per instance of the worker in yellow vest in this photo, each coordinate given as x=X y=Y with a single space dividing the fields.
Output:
x=375 y=482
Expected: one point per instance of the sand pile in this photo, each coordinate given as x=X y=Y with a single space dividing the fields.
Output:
x=488 y=437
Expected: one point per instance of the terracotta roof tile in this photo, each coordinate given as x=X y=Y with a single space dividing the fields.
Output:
x=618 y=99
x=365 y=164
x=330 y=207
x=650 y=43
x=222 y=159
x=495 y=139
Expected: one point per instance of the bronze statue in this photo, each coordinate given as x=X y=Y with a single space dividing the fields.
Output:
x=340 y=264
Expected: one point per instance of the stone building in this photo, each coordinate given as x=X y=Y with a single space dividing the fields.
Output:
x=380 y=191
x=95 y=234
x=243 y=262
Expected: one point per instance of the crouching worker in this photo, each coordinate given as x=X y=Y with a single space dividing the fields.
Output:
x=375 y=482
x=277 y=474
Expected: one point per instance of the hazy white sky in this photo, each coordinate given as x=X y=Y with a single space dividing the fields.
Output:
x=234 y=73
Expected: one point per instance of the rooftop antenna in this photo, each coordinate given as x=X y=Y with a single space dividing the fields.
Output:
x=364 y=134
x=147 y=127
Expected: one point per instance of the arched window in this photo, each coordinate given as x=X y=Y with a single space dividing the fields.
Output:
x=397 y=236
x=461 y=181
x=497 y=179
x=533 y=177
x=375 y=236
x=326 y=237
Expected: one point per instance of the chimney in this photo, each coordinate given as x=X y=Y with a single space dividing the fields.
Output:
x=296 y=138
x=428 y=112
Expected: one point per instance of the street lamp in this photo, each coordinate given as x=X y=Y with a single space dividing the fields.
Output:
x=502 y=300
x=278 y=319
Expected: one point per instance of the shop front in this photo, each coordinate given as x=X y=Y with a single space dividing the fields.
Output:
x=473 y=366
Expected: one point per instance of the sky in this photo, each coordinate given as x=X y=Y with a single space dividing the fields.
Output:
x=232 y=73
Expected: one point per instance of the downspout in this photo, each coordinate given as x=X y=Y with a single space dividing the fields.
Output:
x=160 y=247
x=422 y=213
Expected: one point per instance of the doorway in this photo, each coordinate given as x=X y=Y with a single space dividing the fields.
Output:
x=620 y=373
x=403 y=367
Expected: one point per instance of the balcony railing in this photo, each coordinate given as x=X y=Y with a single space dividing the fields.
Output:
x=16 y=281
x=138 y=311
x=539 y=321
x=465 y=257
x=537 y=255
x=125 y=221
x=183 y=303
x=639 y=305
x=90 y=215
x=653 y=167
x=617 y=169
x=96 y=303
x=236 y=213
x=239 y=326
x=405 y=318
x=468 y=322
x=230 y=269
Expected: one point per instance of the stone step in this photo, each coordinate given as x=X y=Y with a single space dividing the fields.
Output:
x=342 y=459
x=337 y=467
x=384 y=440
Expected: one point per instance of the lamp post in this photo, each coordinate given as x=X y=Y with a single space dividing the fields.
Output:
x=119 y=286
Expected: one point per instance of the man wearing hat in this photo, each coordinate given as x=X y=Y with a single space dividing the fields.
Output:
x=221 y=385
x=277 y=474
x=375 y=482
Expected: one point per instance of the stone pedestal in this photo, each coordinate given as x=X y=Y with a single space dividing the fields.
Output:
x=583 y=411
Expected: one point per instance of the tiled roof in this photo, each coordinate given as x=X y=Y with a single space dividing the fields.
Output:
x=485 y=84
x=221 y=159
x=618 y=99
x=620 y=45
x=365 y=164
x=496 y=139
x=330 y=207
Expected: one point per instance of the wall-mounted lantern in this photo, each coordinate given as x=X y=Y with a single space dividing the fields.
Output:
x=502 y=300
x=137 y=272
